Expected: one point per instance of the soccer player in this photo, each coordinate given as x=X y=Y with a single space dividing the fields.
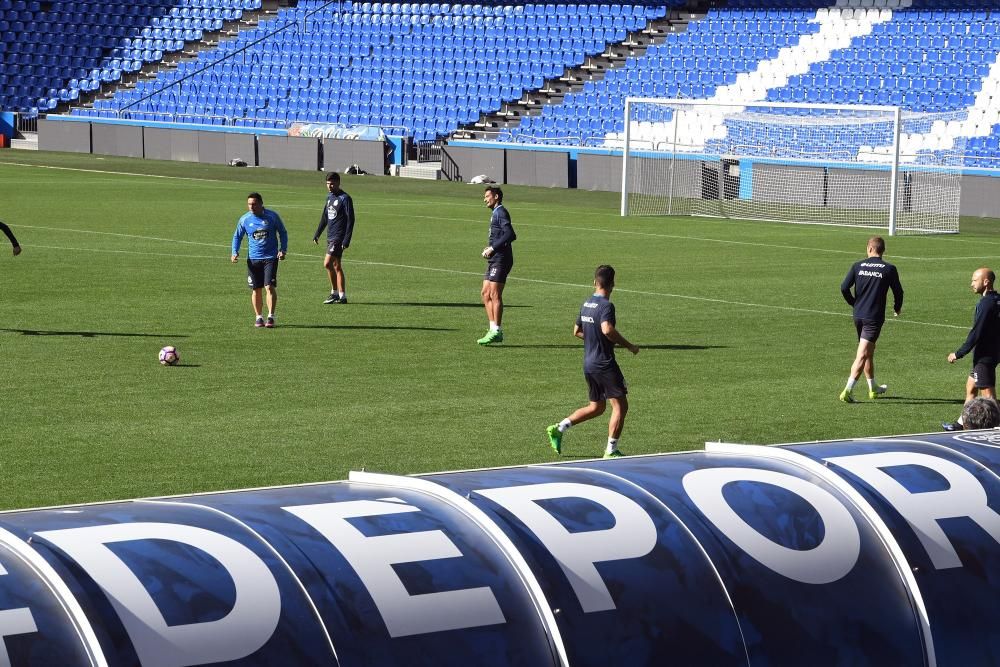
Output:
x=10 y=235
x=596 y=326
x=338 y=219
x=871 y=278
x=983 y=341
x=499 y=255
x=264 y=230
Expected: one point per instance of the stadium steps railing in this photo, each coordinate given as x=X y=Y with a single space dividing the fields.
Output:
x=248 y=20
x=553 y=90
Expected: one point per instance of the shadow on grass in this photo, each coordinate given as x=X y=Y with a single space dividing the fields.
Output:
x=363 y=327
x=90 y=334
x=430 y=304
x=920 y=401
x=184 y=366
x=563 y=346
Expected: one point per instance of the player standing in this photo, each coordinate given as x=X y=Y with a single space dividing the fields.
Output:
x=596 y=326
x=263 y=229
x=983 y=341
x=500 y=257
x=871 y=278
x=338 y=219
x=10 y=235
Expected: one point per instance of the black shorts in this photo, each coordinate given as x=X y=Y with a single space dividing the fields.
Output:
x=261 y=272
x=984 y=374
x=868 y=329
x=498 y=269
x=603 y=385
x=334 y=249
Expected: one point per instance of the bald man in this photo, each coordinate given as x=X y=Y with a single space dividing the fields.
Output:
x=983 y=341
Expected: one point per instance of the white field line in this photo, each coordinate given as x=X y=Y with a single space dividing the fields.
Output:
x=553 y=283
x=450 y=203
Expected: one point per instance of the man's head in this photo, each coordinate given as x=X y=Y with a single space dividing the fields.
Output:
x=255 y=203
x=493 y=196
x=876 y=246
x=333 y=181
x=604 y=278
x=981 y=412
x=982 y=280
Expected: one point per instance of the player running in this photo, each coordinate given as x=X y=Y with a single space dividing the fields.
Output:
x=596 y=326
x=871 y=278
x=983 y=341
x=338 y=219
x=263 y=229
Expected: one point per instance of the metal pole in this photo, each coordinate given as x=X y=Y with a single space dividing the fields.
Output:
x=628 y=123
x=894 y=175
x=673 y=163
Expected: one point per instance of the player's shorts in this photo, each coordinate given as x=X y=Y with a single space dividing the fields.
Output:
x=335 y=249
x=984 y=374
x=498 y=269
x=869 y=330
x=603 y=385
x=261 y=272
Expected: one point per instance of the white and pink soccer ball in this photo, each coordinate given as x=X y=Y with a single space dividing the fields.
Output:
x=169 y=356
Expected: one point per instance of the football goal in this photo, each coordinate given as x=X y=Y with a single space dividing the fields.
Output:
x=854 y=165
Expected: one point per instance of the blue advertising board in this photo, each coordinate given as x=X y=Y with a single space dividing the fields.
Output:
x=879 y=551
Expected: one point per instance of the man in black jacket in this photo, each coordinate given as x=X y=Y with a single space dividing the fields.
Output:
x=983 y=341
x=500 y=257
x=871 y=278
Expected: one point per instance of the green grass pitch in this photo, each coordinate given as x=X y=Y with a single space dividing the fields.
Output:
x=744 y=333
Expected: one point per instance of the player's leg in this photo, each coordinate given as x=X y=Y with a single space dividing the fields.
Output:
x=491 y=296
x=498 y=304
x=594 y=408
x=272 y=304
x=257 y=299
x=619 y=408
x=340 y=279
x=332 y=275
x=971 y=391
x=862 y=357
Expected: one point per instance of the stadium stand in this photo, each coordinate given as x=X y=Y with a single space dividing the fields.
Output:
x=429 y=69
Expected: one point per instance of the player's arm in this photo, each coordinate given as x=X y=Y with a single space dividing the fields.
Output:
x=975 y=333
x=577 y=331
x=10 y=235
x=322 y=225
x=238 y=240
x=350 y=220
x=609 y=331
x=282 y=238
x=897 y=292
x=506 y=231
x=846 y=285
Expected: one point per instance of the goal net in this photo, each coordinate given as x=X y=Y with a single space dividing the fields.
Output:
x=861 y=166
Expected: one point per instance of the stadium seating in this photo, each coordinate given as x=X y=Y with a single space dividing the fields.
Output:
x=427 y=69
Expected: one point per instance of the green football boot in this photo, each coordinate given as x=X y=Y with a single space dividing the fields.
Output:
x=555 y=438
x=613 y=454
x=493 y=336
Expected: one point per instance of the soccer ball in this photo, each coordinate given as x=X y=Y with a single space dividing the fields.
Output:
x=169 y=356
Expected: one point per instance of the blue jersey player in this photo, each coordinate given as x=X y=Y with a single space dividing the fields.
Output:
x=596 y=326
x=338 y=220
x=499 y=255
x=871 y=278
x=983 y=341
x=267 y=242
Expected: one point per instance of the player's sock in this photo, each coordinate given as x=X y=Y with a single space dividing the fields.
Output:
x=343 y=296
x=959 y=421
x=850 y=384
x=494 y=326
x=871 y=383
x=612 y=445
x=564 y=425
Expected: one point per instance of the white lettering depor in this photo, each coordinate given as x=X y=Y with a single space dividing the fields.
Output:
x=246 y=628
x=825 y=563
x=632 y=536
x=965 y=497
x=373 y=557
x=13 y=622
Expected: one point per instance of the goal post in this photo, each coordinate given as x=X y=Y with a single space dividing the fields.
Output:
x=852 y=165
